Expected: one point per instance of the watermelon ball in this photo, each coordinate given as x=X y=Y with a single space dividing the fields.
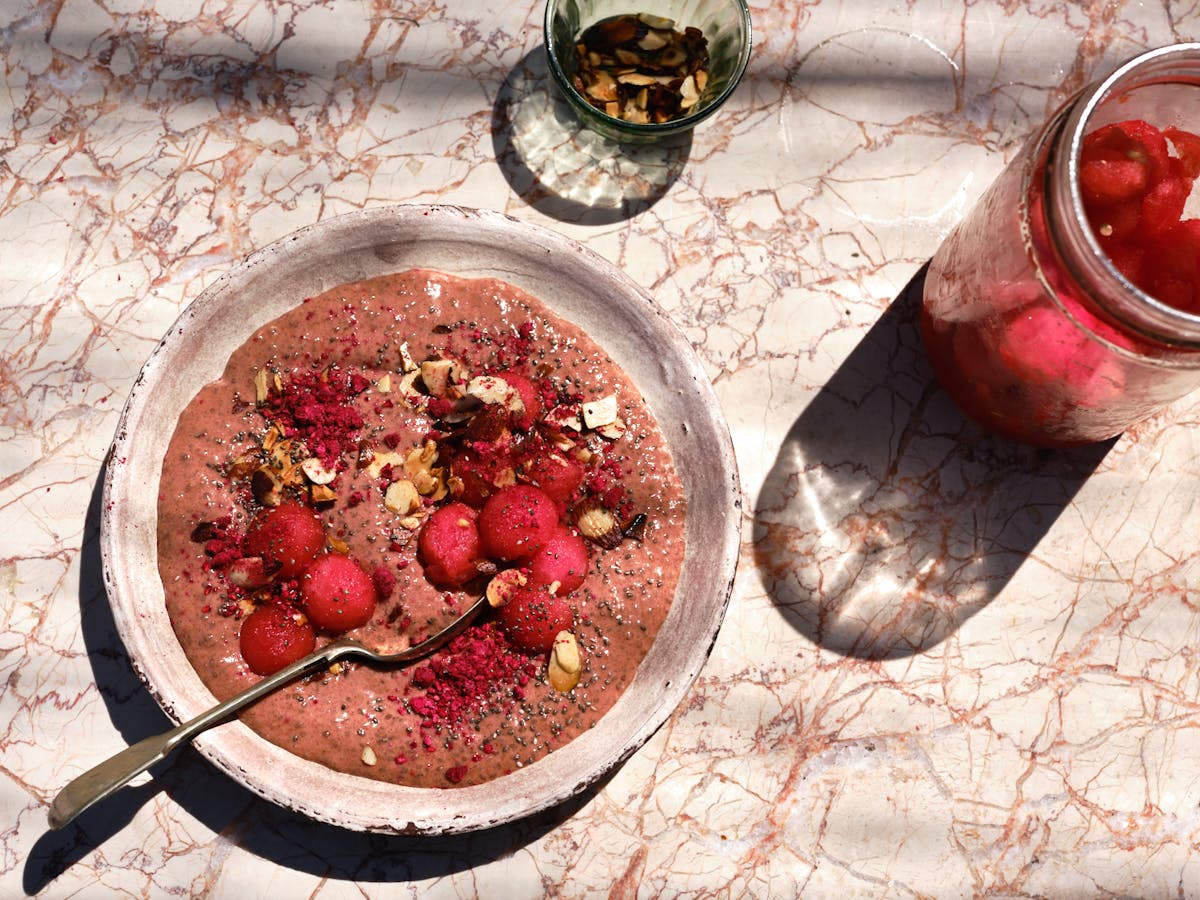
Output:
x=273 y=637
x=558 y=476
x=477 y=474
x=532 y=617
x=288 y=537
x=337 y=594
x=448 y=545
x=562 y=561
x=516 y=522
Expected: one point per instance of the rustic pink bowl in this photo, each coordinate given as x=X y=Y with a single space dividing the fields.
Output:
x=578 y=285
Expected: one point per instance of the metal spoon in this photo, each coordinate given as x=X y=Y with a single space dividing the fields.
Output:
x=97 y=783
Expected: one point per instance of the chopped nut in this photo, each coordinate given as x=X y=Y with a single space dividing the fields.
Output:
x=315 y=471
x=266 y=486
x=248 y=572
x=381 y=459
x=244 y=466
x=338 y=545
x=442 y=377
x=402 y=498
x=368 y=756
x=430 y=481
x=321 y=493
x=600 y=412
x=598 y=524
x=407 y=364
x=421 y=458
x=565 y=664
x=501 y=587
x=410 y=523
x=408 y=390
x=384 y=384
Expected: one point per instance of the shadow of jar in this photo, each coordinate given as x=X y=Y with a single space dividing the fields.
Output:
x=888 y=519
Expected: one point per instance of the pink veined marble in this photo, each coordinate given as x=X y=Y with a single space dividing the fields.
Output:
x=951 y=666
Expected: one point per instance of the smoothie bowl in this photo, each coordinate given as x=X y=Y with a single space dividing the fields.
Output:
x=362 y=429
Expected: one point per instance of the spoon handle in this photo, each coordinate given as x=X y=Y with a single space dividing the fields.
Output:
x=97 y=783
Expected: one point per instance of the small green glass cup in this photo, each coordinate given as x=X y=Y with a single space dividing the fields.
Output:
x=725 y=23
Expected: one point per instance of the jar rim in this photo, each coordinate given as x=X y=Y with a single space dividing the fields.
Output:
x=1175 y=63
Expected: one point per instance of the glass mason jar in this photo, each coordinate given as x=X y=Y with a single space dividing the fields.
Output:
x=1029 y=325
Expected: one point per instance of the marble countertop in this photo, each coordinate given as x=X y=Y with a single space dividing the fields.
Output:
x=951 y=666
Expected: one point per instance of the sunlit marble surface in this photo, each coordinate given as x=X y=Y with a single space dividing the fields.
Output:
x=950 y=667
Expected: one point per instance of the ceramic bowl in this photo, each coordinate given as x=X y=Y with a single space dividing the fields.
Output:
x=725 y=24
x=579 y=286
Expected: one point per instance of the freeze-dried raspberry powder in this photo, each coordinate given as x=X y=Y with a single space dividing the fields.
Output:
x=318 y=408
x=479 y=671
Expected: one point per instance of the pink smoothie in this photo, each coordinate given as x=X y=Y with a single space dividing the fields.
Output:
x=479 y=709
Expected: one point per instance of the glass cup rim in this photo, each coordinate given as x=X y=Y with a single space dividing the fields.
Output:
x=650 y=129
x=1159 y=65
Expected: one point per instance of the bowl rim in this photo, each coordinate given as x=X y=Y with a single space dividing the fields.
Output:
x=649 y=130
x=129 y=525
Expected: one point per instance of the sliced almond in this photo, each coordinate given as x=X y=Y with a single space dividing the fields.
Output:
x=613 y=430
x=636 y=78
x=314 y=470
x=262 y=386
x=600 y=412
x=602 y=87
x=271 y=438
x=494 y=390
x=659 y=23
x=565 y=664
x=688 y=94
x=652 y=40
x=598 y=524
x=368 y=756
x=565 y=417
x=502 y=586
